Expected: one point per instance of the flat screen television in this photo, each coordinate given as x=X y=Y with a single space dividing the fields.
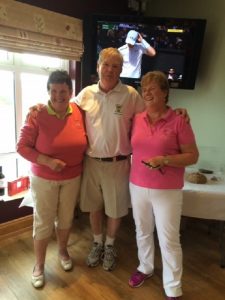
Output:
x=177 y=41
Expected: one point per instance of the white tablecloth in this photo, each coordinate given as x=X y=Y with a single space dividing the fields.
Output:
x=206 y=201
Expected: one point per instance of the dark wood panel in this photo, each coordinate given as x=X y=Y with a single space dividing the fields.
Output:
x=10 y=210
x=79 y=9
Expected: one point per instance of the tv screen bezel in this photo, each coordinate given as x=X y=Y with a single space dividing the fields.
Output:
x=89 y=58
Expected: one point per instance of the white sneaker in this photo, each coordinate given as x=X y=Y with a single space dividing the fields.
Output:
x=109 y=258
x=95 y=255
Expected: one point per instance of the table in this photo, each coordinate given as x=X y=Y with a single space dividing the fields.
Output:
x=6 y=197
x=207 y=201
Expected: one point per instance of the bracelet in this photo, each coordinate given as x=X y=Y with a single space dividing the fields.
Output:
x=145 y=44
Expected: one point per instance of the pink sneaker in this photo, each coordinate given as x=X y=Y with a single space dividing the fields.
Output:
x=138 y=278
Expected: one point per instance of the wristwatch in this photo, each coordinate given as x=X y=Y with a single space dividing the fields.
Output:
x=166 y=160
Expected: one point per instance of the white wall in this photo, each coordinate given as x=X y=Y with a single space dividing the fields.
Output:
x=206 y=103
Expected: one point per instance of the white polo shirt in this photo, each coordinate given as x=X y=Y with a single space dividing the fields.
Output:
x=108 y=118
x=132 y=60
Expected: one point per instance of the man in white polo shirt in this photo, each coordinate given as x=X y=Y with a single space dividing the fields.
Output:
x=109 y=109
x=132 y=53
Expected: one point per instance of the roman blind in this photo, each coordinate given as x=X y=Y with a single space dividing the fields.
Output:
x=25 y=28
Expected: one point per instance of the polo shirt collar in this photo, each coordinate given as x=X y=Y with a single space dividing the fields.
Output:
x=116 y=88
x=53 y=113
x=165 y=117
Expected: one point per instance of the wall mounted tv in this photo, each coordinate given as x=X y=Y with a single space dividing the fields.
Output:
x=177 y=41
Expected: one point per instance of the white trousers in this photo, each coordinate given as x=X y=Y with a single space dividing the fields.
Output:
x=161 y=208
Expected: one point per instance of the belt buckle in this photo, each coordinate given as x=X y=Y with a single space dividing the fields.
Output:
x=97 y=158
x=104 y=159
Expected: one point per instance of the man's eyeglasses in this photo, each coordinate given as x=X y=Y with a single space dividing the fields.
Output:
x=153 y=167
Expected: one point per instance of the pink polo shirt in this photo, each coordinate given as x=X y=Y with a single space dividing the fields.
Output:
x=162 y=138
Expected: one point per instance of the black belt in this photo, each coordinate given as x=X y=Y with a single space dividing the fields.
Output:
x=115 y=158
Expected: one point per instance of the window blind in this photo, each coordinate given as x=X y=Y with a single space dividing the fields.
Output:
x=25 y=28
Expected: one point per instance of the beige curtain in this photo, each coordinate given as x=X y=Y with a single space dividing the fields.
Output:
x=25 y=28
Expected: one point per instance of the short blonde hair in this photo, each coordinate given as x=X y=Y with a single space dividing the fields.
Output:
x=109 y=52
x=158 y=77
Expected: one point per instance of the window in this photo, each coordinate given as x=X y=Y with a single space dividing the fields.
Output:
x=23 y=80
x=7 y=112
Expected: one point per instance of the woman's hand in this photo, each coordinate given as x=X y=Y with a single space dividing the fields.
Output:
x=188 y=156
x=156 y=162
x=54 y=164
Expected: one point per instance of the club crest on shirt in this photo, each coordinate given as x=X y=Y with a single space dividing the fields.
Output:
x=118 y=109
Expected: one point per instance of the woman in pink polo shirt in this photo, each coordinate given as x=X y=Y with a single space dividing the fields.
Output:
x=163 y=143
x=54 y=140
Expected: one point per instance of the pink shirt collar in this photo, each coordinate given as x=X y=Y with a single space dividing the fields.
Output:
x=166 y=117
